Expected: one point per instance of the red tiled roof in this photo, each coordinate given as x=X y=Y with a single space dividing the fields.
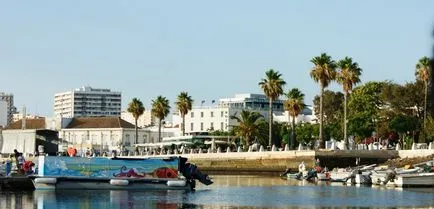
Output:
x=99 y=122
x=30 y=124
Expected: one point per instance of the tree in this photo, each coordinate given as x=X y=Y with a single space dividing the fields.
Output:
x=332 y=104
x=135 y=107
x=403 y=124
x=160 y=109
x=294 y=105
x=184 y=104
x=323 y=72
x=249 y=125
x=306 y=132
x=423 y=73
x=272 y=85
x=348 y=76
x=365 y=103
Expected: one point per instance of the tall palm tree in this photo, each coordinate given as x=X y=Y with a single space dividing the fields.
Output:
x=423 y=73
x=294 y=105
x=183 y=103
x=272 y=85
x=323 y=72
x=135 y=107
x=348 y=76
x=249 y=125
x=160 y=109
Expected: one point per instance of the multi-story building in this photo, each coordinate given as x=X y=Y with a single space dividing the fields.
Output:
x=204 y=119
x=87 y=102
x=211 y=118
x=7 y=109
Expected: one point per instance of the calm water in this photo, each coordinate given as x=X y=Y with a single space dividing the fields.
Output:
x=230 y=192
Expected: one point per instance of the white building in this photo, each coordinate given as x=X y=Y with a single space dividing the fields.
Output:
x=307 y=116
x=204 y=119
x=87 y=102
x=18 y=116
x=208 y=118
x=144 y=120
x=7 y=108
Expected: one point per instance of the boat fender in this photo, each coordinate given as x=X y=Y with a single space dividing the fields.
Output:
x=119 y=182
x=45 y=180
x=178 y=183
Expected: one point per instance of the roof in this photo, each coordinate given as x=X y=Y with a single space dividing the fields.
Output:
x=99 y=122
x=38 y=123
x=30 y=124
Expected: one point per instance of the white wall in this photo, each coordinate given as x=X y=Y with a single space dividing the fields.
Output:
x=3 y=113
x=143 y=120
x=22 y=140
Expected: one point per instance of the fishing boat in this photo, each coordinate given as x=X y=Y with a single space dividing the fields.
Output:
x=99 y=173
x=415 y=180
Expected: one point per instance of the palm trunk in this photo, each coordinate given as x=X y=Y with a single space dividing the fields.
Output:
x=183 y=124
x=321 y=137
x=270 y=125
x=137 y=137
x=159 y=130
x=345 y=119
x=425 y=110
x=293 y=133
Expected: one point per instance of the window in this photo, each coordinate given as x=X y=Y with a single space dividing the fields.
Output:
x=201 y=126
x=192 y=114
x=201 y=114
x=212 y=126
x=221 y=114
x=212 y=114
x=191 y=126
x=221 y=125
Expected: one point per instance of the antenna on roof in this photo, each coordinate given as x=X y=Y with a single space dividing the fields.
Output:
x=23 y=120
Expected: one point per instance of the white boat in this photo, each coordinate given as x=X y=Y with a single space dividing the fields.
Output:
x=323 y=176
x=415 y=180
x=340 y=175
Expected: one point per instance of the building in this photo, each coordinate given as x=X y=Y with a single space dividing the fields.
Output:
x=103 y=134
x=87 y=102
x=7 y=109
x=307 y=116
x=28 y=135
x=144 y=120
x=18 y=116
x=212 y=118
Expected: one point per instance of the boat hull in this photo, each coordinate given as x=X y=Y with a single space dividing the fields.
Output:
x=415 y=180
x=74 y=183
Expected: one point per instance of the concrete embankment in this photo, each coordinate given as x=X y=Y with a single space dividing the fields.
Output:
x=274 y=162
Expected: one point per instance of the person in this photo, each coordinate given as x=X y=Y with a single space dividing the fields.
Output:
x=21 y=160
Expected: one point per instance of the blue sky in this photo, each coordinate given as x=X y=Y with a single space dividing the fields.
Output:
x=210 y=49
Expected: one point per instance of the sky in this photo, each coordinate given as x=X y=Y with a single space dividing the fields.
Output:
x=211 y=49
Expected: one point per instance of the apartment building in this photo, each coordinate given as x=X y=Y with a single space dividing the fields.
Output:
x=87 y=102
x=7 y=109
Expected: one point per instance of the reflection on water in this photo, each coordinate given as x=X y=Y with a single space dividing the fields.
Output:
x=230 y=192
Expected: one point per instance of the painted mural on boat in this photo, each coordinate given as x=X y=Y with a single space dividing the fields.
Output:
x=108 y=167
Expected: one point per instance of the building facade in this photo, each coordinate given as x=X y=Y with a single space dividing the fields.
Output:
x=7 y=109
x=144 y=120
x=87 y=102
x=212 y=118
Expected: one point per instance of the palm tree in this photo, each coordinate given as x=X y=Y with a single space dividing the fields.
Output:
x=135 y=107
x=160 y=109
x=183 y=104
x=348 y=76
x=323 y=73
x=294 y=105
x=249 y=125
x=423 y=73
x=272 y=85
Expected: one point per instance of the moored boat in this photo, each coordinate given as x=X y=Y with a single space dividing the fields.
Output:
x=415 y=180
x=62 y=173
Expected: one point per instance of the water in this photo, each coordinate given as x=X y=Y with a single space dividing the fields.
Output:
x=230 y=192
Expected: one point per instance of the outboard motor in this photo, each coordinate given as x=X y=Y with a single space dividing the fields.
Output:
x=191 y=172
x=311 y=174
